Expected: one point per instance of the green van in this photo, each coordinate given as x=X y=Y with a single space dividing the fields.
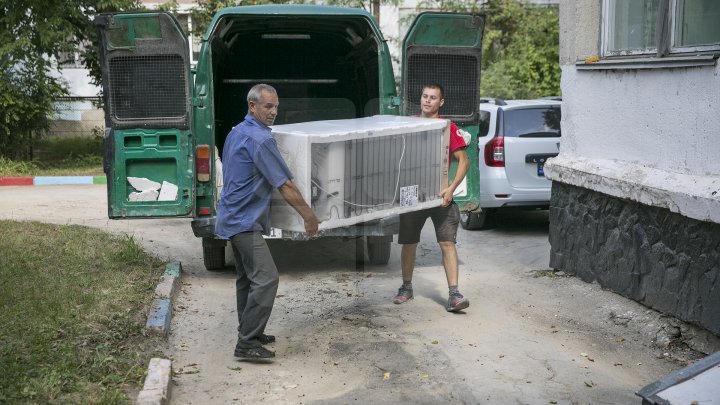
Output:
x=167 y=122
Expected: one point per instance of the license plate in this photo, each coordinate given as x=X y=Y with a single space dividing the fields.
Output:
x=541 y=169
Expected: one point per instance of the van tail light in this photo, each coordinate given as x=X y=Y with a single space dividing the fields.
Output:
x=495 y=152
x=202 y=163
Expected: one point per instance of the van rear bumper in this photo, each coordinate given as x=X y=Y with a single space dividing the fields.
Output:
x=205 y=228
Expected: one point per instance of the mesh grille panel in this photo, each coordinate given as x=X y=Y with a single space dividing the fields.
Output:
x=456 y=73
x=371 y=170
x=148 y=87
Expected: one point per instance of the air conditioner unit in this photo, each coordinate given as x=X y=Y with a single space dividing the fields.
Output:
x=358 y=170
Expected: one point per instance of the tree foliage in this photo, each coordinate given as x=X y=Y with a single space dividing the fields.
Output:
x=520 y=51
x=34 y=34
x=521 y=47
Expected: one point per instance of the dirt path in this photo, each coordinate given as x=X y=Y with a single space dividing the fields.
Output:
x=527 y=338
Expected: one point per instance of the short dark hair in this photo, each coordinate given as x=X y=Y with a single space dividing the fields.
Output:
x=435 y=86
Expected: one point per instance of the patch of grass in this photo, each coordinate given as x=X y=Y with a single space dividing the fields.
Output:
x=72 y=309
x=81 y=156
x=17 y=168
x=548 y=273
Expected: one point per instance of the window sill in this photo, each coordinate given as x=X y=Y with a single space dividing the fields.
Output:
x=649 y=62
x=692 y=195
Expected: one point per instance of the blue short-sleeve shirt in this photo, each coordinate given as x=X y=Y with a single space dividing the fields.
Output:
x=252 y=168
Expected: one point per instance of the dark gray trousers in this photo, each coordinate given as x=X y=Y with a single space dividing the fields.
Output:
x=255 y=287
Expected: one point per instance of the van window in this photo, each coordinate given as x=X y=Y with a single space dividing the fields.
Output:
x=532 y=122
x=323 y=67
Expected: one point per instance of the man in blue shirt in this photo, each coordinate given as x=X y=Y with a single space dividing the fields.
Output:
x=252 y=168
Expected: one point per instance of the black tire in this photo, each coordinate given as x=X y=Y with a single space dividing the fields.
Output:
x=360 y=253
x=360 y=249
x=378 y=249
x=474 y=220
x=213 y=254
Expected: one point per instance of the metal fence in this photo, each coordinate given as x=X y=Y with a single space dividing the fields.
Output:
x=77 y=117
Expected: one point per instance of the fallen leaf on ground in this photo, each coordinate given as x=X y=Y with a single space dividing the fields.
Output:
x=386 y=375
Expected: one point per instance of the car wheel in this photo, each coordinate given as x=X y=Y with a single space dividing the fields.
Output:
x=473 y=220
x=378 y=249
x=213 y=254
x=360 y=250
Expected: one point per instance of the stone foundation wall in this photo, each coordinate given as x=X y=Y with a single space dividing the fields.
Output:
x=661 y=259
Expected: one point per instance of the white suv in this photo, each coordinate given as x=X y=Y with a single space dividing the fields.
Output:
x=516 y=138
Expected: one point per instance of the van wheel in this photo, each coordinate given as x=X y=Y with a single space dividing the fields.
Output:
x=213 y=254
x=378 y=249
x=360 y=250
x=360 y=254
x=474 y=220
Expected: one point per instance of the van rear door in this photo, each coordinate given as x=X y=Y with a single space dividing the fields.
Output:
x=148 y=146
x=446 y=48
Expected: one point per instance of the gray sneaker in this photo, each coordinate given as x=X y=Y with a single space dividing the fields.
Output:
x=456 y=302
x=403 y=295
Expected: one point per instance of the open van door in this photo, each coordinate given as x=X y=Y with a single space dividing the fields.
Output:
x=147 y=89
x=446 y=48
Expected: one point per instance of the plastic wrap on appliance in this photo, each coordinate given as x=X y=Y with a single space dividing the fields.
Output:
x=352 y=171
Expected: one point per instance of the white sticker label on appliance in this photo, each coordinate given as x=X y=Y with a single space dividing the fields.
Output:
x=409 y=196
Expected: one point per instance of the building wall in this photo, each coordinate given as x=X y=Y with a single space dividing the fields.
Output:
x=639 y=158
x=657 y=128
x=668 y=119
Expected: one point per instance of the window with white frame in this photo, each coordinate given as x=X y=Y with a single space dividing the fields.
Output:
x=660 y=27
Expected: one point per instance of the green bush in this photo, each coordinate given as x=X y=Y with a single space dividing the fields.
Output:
x=17 y=168
x=59 y=157
x=51 y=150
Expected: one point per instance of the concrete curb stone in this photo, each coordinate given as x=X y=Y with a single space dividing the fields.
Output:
x=51 y=180
x=160 y=312
x=156 y=390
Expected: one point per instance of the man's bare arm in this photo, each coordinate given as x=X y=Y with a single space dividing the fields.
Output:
x=292 y=195
x=462 y=169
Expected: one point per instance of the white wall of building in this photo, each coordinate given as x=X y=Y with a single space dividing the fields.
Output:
x=667 y=119
x=650 y=135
